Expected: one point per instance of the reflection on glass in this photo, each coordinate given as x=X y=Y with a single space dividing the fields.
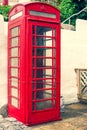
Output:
x=44 y=94
x=45 y=31
x=42 y=62
x=43 y=105
x=46 y=83
x=47 y=52
x=42 y=41
x=42 y=73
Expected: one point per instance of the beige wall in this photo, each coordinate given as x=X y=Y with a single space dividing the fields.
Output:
x=73 y=55
x=3 y=61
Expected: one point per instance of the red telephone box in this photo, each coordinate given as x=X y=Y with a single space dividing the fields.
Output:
x=34 y=63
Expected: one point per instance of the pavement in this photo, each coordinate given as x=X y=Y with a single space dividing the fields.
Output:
x=74 y=117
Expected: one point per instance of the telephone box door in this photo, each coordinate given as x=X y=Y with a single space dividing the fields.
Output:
x=45 y=64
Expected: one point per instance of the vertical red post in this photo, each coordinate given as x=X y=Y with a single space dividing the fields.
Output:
x=4 y=2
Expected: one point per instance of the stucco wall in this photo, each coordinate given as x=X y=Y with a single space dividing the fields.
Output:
x=3 y=61
x=73 y=55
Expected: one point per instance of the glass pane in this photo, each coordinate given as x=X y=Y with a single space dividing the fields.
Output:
x=43 y=94
x=48 y=42
x=41 y=41
x=38 y=84
x=44 y=52
x=14 y=41
x=16 y=15
x=43 y=105
x=14 y=82
x=14 y=102
x=15 y=31
x=45 y=31
x=42 y=73
x=43 y=14
x=47 y=73
x=14 y=61
x=14 y=92
x=14 y=52
x=14 y=72
x=43 y=62
x=48 y=62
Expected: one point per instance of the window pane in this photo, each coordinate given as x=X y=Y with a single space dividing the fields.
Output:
x=15 y=31
x=47 y=73
x=14 y=61
x=42 y=73
x=14 y=52
x=14 y=82
x=43 y=14
x=14 y=92
x=16 y=15
x=44 y=52
x=41 y=41
x=14 y=41
x=44 y=63
x=14 y=102
x=43 y=105
x=44 y=94
x=47 y=83
x=45 y=31
x=14 y=72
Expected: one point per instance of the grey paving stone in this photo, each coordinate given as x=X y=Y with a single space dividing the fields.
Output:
x=11 y=119
x=2 y=127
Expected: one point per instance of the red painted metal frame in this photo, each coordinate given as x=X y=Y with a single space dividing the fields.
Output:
x=24 y=112
x=51 y=113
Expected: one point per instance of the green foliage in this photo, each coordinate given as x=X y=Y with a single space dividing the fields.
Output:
x=4 y=11
x=67 y=9
x=70 y=7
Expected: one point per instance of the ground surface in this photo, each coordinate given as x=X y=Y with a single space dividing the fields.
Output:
x=74 y=117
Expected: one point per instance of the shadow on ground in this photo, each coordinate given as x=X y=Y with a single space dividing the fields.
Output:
x=74 y=110
x=74 y=117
